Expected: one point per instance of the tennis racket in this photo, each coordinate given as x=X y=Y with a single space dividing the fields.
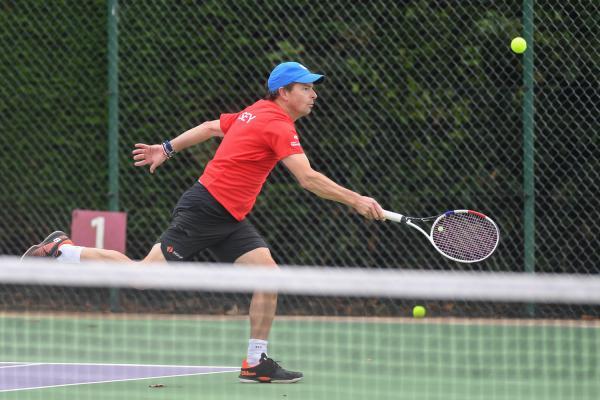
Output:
x=465 y=236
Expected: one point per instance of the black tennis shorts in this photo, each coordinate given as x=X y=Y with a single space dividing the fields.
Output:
x=200 y=222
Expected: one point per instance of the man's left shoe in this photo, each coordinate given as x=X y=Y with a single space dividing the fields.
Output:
x=49 y=246
x=267 y=371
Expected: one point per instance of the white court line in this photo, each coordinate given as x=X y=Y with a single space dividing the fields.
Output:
x=117 y=380
x=116 y=365
x=19 y=366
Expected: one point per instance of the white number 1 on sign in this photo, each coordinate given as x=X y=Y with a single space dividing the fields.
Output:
x=98 y=224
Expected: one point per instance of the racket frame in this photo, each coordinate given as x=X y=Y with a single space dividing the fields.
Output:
x=403 y=219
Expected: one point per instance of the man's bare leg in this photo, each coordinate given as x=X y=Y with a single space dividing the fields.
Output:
x=58 y=245
x=90 y=253
x=258 y=367
x=155 y=255
x=264 y=304
x=93 y=254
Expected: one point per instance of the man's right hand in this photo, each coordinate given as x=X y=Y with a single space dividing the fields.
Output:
x=152 y=155
x=368 y=208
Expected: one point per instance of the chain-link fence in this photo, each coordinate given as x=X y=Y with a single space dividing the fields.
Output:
x=421 y=109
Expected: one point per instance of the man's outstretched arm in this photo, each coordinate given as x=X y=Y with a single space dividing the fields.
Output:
x=154 y=155
x=324 y=187
x=196 y=135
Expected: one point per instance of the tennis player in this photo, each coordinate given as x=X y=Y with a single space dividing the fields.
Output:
x=212 y=213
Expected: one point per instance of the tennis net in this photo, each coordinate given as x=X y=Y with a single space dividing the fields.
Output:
x=181 y=332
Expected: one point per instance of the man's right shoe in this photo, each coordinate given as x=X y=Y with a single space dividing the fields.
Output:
x=49 y=246
x=267 y=371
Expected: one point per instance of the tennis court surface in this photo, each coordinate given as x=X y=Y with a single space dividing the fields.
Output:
x=23 y=376
x=343 y=350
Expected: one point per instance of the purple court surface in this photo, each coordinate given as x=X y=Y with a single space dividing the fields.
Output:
x=22 y=376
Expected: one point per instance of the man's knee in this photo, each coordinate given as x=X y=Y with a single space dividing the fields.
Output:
x=155 y=254
x=260 y=257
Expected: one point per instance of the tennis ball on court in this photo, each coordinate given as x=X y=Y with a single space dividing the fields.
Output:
x=419 y=312
x=518 y=45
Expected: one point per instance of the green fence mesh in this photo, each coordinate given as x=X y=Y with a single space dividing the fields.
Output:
x=422 y=110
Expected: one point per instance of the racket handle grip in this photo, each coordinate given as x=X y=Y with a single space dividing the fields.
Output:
x=392 y=216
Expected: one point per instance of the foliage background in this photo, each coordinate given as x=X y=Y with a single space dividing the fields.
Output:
x=421 y=109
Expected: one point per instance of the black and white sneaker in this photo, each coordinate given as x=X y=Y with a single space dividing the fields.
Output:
x=49 y=246
x=267 y=371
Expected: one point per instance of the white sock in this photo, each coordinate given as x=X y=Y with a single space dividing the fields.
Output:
x=255 y=348
x=69 y=253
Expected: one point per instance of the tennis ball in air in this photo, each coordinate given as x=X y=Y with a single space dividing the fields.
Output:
x=419 y=312
x=518 y=45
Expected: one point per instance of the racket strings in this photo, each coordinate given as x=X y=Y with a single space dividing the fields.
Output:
x=465 y=237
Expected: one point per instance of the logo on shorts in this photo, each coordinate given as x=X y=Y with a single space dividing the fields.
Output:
x=171 y=250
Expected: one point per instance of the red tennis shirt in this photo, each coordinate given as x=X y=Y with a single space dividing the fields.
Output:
x=256 y=138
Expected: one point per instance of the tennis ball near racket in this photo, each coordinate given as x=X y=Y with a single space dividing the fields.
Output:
x=419 y=311
x=518 y=45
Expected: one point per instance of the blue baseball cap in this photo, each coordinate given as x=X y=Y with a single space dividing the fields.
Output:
x=291 y=72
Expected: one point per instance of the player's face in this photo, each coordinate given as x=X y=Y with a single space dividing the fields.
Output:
x=302 y=99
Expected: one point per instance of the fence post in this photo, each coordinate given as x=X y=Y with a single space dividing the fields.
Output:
x=528 y=143
x=113 y=122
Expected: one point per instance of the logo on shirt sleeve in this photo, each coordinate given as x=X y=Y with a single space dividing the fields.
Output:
x=295 y=142
x=246 y=117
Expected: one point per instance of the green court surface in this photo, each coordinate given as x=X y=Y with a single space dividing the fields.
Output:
x=340 y=358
